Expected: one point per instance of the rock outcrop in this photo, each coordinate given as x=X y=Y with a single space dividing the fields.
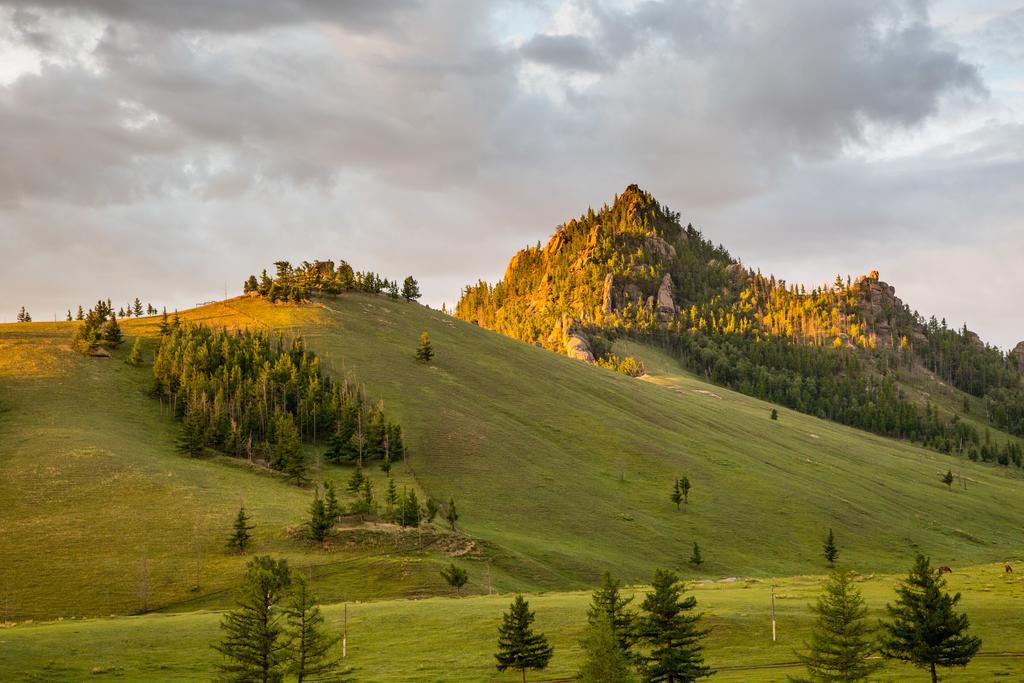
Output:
x=618 y=294
x=666 y=303
x=1018 y=354
x=577 y=346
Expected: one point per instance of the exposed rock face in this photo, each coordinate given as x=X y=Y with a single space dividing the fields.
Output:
x=975 y=340
x=666 y=304
x=1018 y=353
x=661 y=248
x=608 y=302
x=878 y=304
x=578 y=346
x=617 y=295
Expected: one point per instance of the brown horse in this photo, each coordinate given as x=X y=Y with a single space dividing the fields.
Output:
x=943 y=570
x=1007 y=569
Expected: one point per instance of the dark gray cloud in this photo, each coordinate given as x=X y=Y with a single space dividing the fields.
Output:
x=207 y=139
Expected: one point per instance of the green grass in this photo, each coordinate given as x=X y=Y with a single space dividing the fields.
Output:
x=559 y=469
x=445 y=639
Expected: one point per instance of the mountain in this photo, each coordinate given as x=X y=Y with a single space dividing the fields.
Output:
x=850 y=351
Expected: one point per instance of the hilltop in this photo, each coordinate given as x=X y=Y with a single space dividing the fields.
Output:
x=850 y=351
x=561 y=470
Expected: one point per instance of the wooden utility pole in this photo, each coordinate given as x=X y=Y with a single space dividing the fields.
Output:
x=773 y=613
x=344 y=635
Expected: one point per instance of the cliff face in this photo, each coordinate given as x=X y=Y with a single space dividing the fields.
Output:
x=1018 y=355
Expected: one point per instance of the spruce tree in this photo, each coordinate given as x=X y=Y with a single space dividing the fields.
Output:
x=410 y=289
x=775 y=414
x=841 y=641
x=137 y=308
x=452 y=515
x=608 y=605
x=319 y=523
x=432 y=510
x=333 y=507
x=603 y=658
x=355 y=482
x=695 y=557
x=391 y=495
x=69 y=318
x=135 y=355
x=253 y=645
x=309 y=653
x=670 y=632
x=192 y=439
x=80 y=315
x=684 y=486
x=677 y=494
x=164 y=328
x=519 y=647
x=456 y=577
x=923 y=627
x=830 y=550
x=112 y=331
x=240 y=537
x=425 y=352
x=947 y=479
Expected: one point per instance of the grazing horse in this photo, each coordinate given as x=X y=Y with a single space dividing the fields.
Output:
x=1007 y=569
x=943 y=570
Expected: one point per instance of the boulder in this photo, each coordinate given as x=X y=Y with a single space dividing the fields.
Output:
x=659 y=247
x=975 y=340
x=666 y=304
x=578 y=346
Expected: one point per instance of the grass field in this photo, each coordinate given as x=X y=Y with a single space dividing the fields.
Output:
x=446 y=639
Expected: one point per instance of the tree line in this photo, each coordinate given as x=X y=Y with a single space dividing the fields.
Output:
x=246 y=393
x=324 y=278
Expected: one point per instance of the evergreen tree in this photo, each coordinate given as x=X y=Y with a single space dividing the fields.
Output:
x=393 y=290
x=165 y=327
x=695 y=556
x=608 y=606
x=80 y=315
x=840 y=640
x=252 y=643
x=23 y=316
x=250 y=285
x=355 y=482
x=410 y=512
x=319 y=522
x=333 y=507
x=923 y=627
x=135 y=355
x=425 y=352
x=240 y=537
x=112 y=331
x=452 y=515
x=192 y=440
x=137 y=308
x=673 y=639
x=309 y=646
x=830 y=550
x=604 y=661
x=391 y=495
x=410 y=289
x=518 y=646
x=947 y=479
x=684 y=486
x=432 y=510
x=456 y=577
x=677 y=494
x=775 y=414
x=69 y=318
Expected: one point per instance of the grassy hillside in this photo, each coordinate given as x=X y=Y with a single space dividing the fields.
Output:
x=561 y=470
x=441 y=639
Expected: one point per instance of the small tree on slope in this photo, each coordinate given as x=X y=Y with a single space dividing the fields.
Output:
x=923 y=627
x=240 y=537
x=840 y=639
x=830 y=550
x=518 y=646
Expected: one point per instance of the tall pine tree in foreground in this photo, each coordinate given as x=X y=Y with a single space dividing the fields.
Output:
x=669 y=630
x=518 y=646
x=309 y=646
x=252 y=646
x=840 y=639
x=240 y=536
x=923 y=627
x=603 y=658
x=607 y=604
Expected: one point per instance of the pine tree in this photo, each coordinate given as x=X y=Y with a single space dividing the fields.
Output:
x=80 y=315
x=165 y=327
x=24 y=316
x=192 y=439
x=425 y=352
x=355 y=482
x=830 y=549
x=69 y=318
x=250 y=285
x=923 y=627
x=840 y=640
x=240 y=537
x=137 y=308
x=391 y=495
x=604 y=661
x=947 y=479
x=432 y=510
x=452 y=515
x=410 y=512
x=333 y=507
x=671 y=634
x=319 y=523
x=309 y=647
x=608 y=605
x=135 y=355
x=677 y=494
x=456 y=577
x=252 y=643
x=518 y=646
x=410 y=289
x=112 y=331
x=684 y=486
x=775 y=414
x=695 y=557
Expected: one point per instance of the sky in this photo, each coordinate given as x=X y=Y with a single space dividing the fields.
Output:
x=167 y=150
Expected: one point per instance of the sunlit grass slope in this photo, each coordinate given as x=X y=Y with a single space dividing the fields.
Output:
x=560 y=468
x=449 y=639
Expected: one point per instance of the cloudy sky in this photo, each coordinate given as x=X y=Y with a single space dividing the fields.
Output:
x=162 y=149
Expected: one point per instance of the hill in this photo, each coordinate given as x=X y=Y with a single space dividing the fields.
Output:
x=560 y=469
x=849 y=351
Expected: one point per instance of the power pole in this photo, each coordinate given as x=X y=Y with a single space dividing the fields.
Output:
x=773 y=613
x=344 y=635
